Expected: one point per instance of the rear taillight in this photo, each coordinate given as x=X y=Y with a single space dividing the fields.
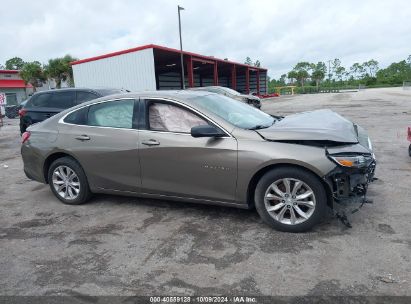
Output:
x=22 y=112
x=25 y=137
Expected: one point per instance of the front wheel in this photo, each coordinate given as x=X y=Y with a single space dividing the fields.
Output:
x=290 y=199
x=68 y=181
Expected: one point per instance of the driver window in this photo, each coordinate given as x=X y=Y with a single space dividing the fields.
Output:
x=170 y=118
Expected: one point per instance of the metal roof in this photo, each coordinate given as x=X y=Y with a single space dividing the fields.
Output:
x=163 y=48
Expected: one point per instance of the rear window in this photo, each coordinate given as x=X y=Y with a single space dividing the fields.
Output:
x=83 y=96
x=40 y=100
x=114 y=114
x=59 y=100
x=78 y=117
x=63 y=100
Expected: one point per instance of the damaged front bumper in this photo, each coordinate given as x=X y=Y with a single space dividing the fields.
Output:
x=349 y=185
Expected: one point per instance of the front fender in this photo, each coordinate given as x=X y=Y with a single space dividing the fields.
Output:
x=256 y=156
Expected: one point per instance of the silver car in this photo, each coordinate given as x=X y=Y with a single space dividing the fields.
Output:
x=250 y=99
x=204 y=148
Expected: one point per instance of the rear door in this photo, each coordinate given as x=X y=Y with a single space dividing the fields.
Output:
x=104 y=138
x=45 y=105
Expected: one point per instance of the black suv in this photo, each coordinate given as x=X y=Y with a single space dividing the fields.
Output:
x=43 y=105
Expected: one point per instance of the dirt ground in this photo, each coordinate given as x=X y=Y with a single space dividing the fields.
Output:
x=128 y=246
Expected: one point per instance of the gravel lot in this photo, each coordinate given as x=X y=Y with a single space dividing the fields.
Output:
x=128 y=246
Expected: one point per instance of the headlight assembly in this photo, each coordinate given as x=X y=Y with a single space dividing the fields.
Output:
x=357 y=161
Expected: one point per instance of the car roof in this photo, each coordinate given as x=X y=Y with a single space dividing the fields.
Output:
x=172 y=94
x=207 y=87
x=78 y=89
x=183 y=96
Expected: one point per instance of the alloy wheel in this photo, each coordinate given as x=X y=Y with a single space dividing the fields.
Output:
x=289 y=201
x=66 y=182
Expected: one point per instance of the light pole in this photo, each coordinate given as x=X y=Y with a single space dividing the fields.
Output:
x=179 y=8
x=329 y=75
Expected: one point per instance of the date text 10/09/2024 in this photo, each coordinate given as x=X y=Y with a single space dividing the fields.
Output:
x=204 y=299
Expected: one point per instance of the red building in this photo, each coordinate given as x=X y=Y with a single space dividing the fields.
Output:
x=14 y=87
x=153 y=67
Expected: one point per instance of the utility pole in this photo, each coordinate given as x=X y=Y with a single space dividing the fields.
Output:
x=179 y=8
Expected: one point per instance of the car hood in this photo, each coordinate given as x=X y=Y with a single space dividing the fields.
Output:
x=321 y=125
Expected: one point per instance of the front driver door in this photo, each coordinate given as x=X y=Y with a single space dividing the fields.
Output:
x=173 y=163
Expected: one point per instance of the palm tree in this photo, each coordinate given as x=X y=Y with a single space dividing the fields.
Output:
x=33 y=73
x=59 y=69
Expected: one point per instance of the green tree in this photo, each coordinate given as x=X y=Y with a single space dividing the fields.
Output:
x=15 y=63
x=59 y=69
x=318 y=72
x=335 y=65
x=257 y=63
x=282 y=79
x=355 y=70
x=395 y=73
x=340 y=73
x=302 y=76
x=292 y=75
x=302 y=70
x=248 y=61
x=32 y=72
x=371 y=66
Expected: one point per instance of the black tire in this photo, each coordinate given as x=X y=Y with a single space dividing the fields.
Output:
x=23 y=129
x=85 y=194
x=294 y=173
x=23 y=126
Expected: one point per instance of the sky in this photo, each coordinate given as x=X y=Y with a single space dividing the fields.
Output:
x=279 y=33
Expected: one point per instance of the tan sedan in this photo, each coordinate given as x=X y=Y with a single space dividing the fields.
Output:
x=204 y=148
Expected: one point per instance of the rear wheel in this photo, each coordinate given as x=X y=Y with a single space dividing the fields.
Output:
x=68 y=181
x=290 y=199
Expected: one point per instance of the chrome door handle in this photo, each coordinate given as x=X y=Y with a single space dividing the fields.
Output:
x=151 y=142
x=82 y=137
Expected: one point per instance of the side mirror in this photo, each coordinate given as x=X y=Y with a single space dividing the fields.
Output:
x=206 y=131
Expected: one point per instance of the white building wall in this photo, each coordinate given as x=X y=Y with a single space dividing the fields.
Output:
x=132 y=71
x=50 y=84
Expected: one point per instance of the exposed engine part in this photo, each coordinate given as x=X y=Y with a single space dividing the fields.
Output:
x=349 y=188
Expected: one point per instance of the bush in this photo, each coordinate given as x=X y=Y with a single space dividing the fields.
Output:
x=370 y=81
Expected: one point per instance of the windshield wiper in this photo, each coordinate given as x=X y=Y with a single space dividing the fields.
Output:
x=258 y=127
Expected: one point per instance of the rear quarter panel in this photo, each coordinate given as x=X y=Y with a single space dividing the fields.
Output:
x=41 y=144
